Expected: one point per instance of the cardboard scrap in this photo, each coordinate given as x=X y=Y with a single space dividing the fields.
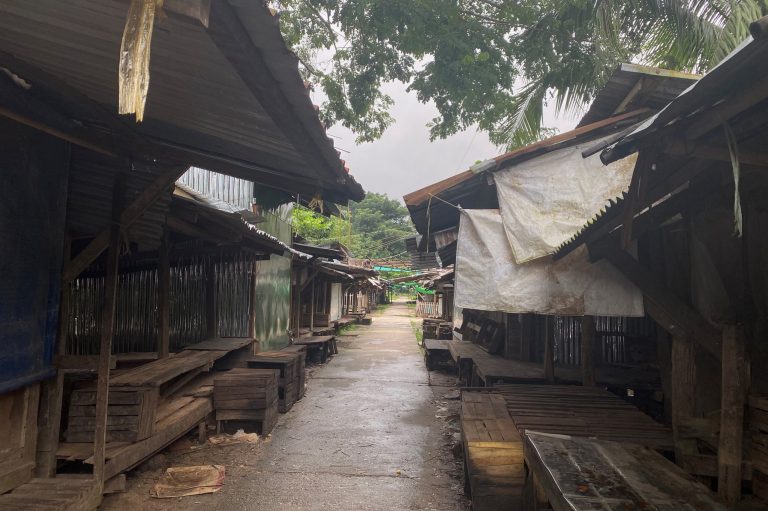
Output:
x=186 y=481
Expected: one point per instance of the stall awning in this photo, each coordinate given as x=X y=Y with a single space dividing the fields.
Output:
x=488 y=278
x=546 y=200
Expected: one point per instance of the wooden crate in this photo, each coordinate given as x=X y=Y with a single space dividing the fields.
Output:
x=247 y=395
x=130 y=414
x=291 y=380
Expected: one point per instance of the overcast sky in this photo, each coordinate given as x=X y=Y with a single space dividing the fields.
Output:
x=404 y=159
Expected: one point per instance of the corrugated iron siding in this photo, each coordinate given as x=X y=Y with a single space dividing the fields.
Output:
x=91 y=189
x=232 y=190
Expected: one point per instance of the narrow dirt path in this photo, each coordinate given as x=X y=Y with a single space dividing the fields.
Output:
x=370 y=434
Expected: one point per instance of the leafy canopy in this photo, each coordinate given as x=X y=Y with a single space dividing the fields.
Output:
x=469 y=56
x=374 y=228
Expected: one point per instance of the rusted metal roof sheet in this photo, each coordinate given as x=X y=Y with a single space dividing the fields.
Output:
x=568 y=138
x=198 y=99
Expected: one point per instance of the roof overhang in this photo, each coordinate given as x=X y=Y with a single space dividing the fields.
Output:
x=224 y=92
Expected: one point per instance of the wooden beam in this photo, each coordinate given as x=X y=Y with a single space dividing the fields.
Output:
x=739 y=100
x=130 y=215
x=549 y=349
x=107 y=332
x=669 y=311
x=636 y=195
x=681 y=147
x=683 y=369
x=587 y=349
x=735 y=383
x=164 y=297
x=633 y=92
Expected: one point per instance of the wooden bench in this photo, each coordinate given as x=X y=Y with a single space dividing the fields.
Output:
x=436 y=352
x=580 y=474
x=493 y=452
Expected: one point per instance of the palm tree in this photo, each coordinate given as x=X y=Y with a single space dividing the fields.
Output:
x=568 y=48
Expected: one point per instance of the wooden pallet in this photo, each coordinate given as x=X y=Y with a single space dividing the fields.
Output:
x=582 y=411
x=53 y=494
x=493 y=453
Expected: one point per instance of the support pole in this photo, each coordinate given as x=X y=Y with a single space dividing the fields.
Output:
x=107 y=332
x=312 y=308
x=735 y=377
x=164 y=297
x=252 y=310
x=49 y=416
x=549 y=349
x=587 y=343
x=211 y=321
x=683 y=393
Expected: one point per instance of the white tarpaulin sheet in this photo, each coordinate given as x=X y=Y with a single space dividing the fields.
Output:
x=487 y=277
x=546 y=200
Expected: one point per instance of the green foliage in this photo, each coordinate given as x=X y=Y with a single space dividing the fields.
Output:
x=374 y=228
x=466 y=56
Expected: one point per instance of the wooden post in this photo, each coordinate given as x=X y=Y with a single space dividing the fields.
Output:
x=107 y=332
x=252 y=310
x=734 y=391
x=683 y=393
x=587 y=343
x=164 y=297
x=549 y=349
x=211 y=321
x=49 y=414
x=312 y=308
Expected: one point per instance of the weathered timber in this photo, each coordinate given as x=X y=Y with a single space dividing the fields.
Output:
x=734 y=389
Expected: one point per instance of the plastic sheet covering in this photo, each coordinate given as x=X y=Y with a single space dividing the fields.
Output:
x=487 y=277
x=134 y=56
x=546 y=200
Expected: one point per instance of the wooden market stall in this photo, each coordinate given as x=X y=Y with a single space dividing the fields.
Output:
x=696 y=210
x=91 y=214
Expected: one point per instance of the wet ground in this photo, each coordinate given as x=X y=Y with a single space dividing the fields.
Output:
x=373 y=432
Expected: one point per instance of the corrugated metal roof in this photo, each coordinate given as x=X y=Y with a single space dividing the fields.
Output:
x=505 y=160
x=197 y=99
x=632 y=86
x=744 y=66
x=91 y=188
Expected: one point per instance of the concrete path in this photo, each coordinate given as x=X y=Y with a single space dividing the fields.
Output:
x=365 y=436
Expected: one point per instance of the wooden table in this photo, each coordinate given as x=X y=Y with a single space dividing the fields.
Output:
x=582 y=411
x=582 y=474
x=321 y=345
x=436 y=351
